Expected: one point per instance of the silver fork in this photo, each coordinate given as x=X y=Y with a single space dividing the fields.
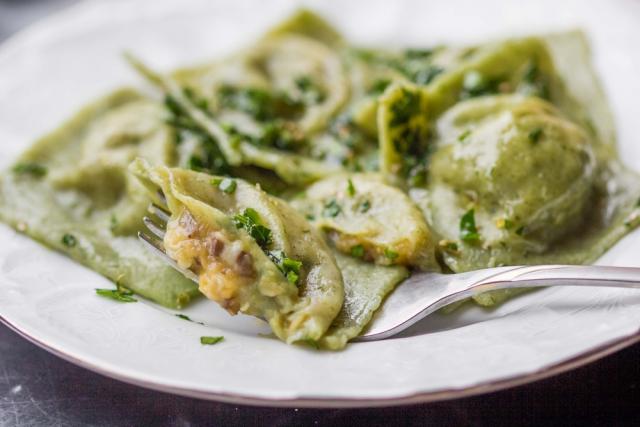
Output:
x=423 y=293
x=157 y=226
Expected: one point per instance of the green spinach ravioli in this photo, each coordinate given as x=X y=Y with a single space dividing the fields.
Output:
x=306 y=178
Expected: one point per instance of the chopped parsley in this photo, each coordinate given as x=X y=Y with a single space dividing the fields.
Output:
x=411 y=139
x=207 y=156
x=504 y=223
x=535 y=134
x=404 y=108
x=226 y=185
x=120 y=295
x=331 y=209
x=289 y=267
x=69 y=240
x=351 y=190
x=476 y=84
x=259 y=103
x=283 y=136
x=413 y=53
x=311 y=92
x=113 y=222
x=200 y=103
x=187 y=318
x=29 y=168
x=390 y=254
x=173 y=106
x=210 y=340
x=464 y=135
x=410 y=142
x=378 y=87
x=249 y=220
x=415 y=64
x=468 y=230
x=426 y=74
x=274 y=134
x=520 y=231
x=534 y=82
x=364 y=206
x=357 y=251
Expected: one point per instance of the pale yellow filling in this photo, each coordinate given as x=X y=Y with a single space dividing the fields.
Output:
x=221 y=264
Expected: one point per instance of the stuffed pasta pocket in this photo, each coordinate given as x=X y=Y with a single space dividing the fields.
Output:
x=252 y=253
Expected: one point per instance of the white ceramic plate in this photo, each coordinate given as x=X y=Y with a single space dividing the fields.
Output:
x=54 y=67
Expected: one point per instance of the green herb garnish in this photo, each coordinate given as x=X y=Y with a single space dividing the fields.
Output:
x=534 y=82
x=425 y=75
x=283 y=136
x=116 y=295
x=207 y=157
x=504 y=223
x=312 y=93
x=249 y=220
x=357 y=251
x=468 y=230
x=210 y=340
x=364 y=206
x=288 y=266
x=69 y=240
x=227 y=185
x=520 y=230
x=464 y=135
x=260 y=104
x=33 y=169
x=476 y=84
x=187 y=318
x=413 y=53
x=404 y=108
x=378 y=87
x=200 y=103
x=535 y=134
x=173 y=106
x=351 y=190
x=331 y=209
x=390 y=254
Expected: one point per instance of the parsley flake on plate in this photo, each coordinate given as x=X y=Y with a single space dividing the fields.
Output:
x=116 y=295
x=210 y=340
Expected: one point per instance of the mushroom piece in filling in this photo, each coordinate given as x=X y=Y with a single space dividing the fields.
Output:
x=222 y=265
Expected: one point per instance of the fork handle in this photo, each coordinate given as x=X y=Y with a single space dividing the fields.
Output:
x=560 y=275
x=419 y=300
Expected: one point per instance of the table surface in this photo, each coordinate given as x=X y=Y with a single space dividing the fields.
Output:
x=39 y=389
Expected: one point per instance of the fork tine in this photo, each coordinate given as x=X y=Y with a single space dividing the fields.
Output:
x=157 y=248
x=156 y=229
x=151 y=242
x=162 y=198
x=159 y=212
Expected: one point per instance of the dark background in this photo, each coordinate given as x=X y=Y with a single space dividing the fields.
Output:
x=39 y=389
